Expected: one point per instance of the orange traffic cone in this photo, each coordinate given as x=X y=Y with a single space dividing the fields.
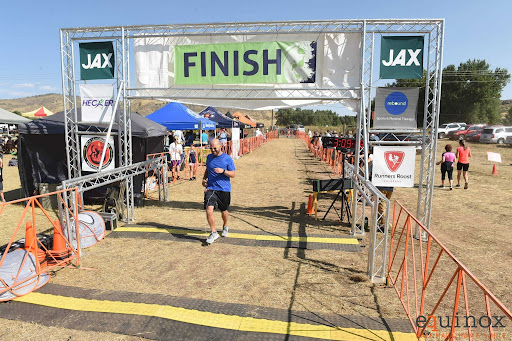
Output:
x=59 y=250
x=31 y=242
x=310 y=206
x=494 y=170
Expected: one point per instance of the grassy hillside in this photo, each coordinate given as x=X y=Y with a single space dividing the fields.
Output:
x=144 y=107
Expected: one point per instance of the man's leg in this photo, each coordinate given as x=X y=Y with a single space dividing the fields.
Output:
x=210 y=218
x=225 y=217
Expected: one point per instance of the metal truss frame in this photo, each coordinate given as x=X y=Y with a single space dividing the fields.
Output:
x=378 y=223
x=433 y=28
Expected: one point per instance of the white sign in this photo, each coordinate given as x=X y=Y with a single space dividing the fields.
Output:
x=92 y=147
x=494 y=157
x=393 y=166
x=97 y=102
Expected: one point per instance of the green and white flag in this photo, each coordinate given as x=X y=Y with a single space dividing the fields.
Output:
x=401 y=57
x=97 y=60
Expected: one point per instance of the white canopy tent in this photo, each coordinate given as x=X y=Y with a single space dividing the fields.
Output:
x=11 y=118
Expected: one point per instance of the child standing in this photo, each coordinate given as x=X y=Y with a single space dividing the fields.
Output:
x=447 y=160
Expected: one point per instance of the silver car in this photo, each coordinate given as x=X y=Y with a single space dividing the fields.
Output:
x=495 y=134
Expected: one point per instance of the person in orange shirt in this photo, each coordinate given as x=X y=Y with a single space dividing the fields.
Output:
x=463 y=154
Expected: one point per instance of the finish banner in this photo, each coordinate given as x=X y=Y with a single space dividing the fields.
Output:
x=396 y=108
x=97 y=102
x=393 y=166
x=274 y=62
x=92 y=147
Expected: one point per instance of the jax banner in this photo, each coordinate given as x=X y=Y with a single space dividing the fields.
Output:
x=97 y=102
x=274 y=62
x=92 y=147
x=97 y=60
x=277 y=62
x=401 y=57
x=396 y=108
x=393 y=166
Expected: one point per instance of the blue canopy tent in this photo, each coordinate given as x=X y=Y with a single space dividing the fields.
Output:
x=176 y=116
x=222 y=121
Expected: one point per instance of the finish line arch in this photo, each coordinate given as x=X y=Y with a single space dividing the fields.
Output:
x=353 y=86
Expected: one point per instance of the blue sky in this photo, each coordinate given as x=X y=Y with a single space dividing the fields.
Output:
x=29 y=44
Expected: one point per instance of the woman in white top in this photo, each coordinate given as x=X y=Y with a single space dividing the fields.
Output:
x=175 y=150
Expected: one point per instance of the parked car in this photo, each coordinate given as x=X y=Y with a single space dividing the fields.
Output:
x=293 y=128
x=495 y=134
x=475 y=136
x=508 y=140
x=464 y=131
x=447 y=127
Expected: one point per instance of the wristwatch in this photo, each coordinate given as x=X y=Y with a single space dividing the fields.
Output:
x=224 y=171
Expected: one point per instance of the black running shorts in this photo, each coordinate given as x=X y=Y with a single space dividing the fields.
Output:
x=217 y=199
x=463 y=166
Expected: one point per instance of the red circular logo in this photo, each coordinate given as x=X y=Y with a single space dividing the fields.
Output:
x=92 y=153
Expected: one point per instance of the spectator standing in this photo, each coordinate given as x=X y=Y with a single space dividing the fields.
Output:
x=178 y=135
x=223 y=137
x=204 y=137
x=175 y=149
x=257 y=132
x=447 y=160
x=463 y=154
x=219 y=169
x=192 y=162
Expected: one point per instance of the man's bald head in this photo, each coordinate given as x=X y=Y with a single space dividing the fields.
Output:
x=215 y=147
x=214 y=143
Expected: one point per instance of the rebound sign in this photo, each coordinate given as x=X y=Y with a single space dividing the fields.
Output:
x=97 y=60
x=401 y=57
x=396 y=108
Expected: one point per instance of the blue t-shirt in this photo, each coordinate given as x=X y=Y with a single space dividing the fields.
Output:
x=204 y=137
x=219 y=182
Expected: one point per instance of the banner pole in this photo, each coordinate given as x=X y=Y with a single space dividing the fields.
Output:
x=110 y=128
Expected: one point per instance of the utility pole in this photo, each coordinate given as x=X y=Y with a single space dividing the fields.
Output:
x=272 y=121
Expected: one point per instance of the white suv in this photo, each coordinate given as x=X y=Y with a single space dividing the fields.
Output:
x=447 y=127
x=495 y=134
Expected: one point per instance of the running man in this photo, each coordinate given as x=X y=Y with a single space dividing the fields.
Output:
x=219 y=169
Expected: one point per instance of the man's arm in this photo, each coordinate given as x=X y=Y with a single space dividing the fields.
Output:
x=228 y=173
x=205 y=178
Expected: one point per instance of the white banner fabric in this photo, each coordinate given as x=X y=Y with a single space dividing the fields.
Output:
x=338 y=65
x=92 y=147
x=97 y=102
x=393 y=166
x=235 y=142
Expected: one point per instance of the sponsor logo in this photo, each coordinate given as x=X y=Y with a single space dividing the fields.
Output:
x=95 y=103
x=396 y=103
x=92 y=153
x=401 y=58
x=100 y=61
x=394 y=160
x=208 y=115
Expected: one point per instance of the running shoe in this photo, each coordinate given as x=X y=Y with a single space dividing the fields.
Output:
x=457 y=185
x=466 y=186
x=212 y=237
x=225 y=231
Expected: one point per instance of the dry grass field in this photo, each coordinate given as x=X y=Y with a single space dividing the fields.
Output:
x=270 y=194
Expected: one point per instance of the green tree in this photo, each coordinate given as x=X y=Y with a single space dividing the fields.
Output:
x=470 y=92
x=508 y=118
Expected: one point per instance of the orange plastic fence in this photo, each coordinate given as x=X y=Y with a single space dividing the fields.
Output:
x=332 y=157
x=241 y=147
x=438 y=286
x=62 y=252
